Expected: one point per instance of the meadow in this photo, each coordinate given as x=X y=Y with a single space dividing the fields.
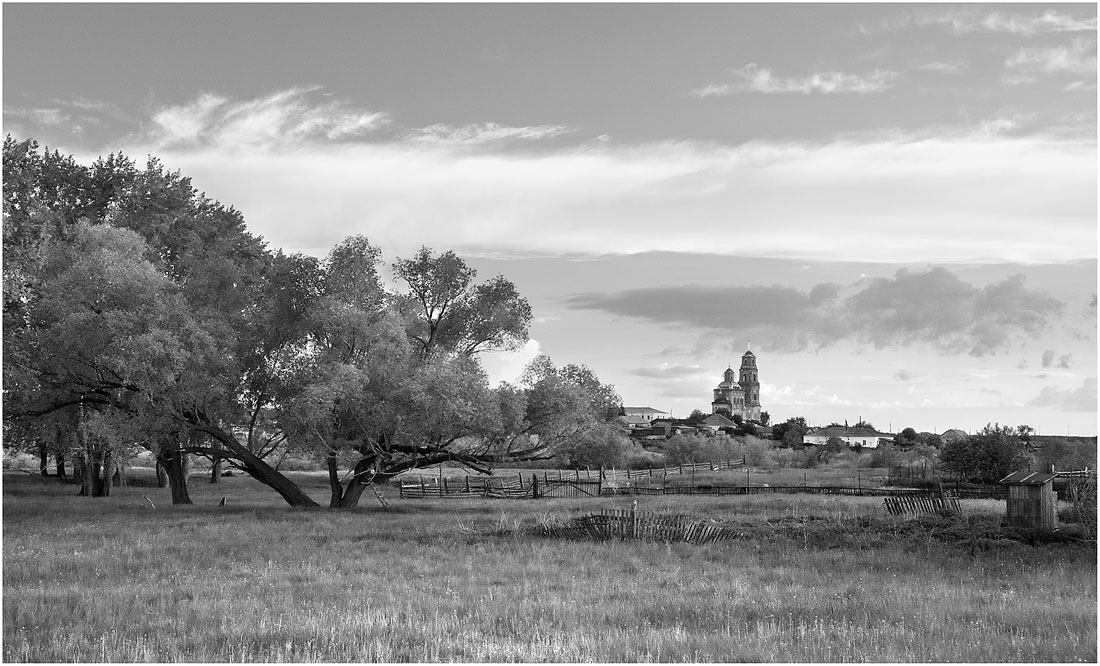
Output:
x=814 y=579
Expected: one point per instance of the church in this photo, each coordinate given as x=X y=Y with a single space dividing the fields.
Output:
x=733 y=397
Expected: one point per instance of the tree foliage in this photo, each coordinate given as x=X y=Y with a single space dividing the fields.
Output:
x=986 y=457
x=138 y=312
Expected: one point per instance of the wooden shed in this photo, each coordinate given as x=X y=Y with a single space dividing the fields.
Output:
x=1031 y=500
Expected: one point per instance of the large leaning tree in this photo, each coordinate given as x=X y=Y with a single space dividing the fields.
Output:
x=139 y=313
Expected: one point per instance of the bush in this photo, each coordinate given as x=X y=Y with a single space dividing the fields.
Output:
x=604 y=446
x=683 y=449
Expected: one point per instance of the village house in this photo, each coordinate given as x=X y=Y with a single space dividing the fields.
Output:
x=642 y=416
x=953 y=435
x=862 y=436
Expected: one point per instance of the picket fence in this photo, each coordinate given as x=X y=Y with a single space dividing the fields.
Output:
x=913 y=505
x=634 y=524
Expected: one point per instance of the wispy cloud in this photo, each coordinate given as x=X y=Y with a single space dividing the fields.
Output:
x=942 y=66
x=965 y=21
x=671 y=371
x=481 y=134
x=286 y=117
x=934 y=308
x=47 y=117
x=951 y=195
x=903 y=376
x=1079 y=57
x=755 y=79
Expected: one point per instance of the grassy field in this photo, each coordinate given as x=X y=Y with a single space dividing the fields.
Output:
x=814 y=579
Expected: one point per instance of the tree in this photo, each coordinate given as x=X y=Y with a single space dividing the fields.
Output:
x=697 y=416
x=146 y=314
x=1066 y=454
x=105 y=335
x=791 y=431
x=906 y=437
x=765 y=419
x=445 y=311
x=986 y=457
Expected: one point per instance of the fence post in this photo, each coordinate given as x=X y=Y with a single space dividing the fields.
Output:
x=859 y=482
x=534 y=486
x=634 y=519
x=467 y=483
x=445 y=490
x=423 y=492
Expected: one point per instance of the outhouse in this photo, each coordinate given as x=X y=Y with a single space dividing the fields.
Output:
x=1031 y=500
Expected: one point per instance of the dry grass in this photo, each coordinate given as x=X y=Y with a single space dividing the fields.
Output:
x=816 y=579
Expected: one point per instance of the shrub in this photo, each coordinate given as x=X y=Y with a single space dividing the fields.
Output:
x=682 y=449
x=604 y=446
x=759 y=453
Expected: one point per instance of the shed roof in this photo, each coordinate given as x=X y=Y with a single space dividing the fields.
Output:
x=1025 y=478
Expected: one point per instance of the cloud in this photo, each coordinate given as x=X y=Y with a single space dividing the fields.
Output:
x=935 y=308
x=1077 y=58
x=1064 y=361
x=284 y=118
x=306 y=171
x=964 y=21
x=508 y=366
x=903 y=376
x=671 y=371
x=753 y=78
x=480 y=134
x=1081 y=399
x=943 y=67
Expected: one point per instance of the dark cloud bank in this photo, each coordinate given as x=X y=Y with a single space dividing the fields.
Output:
x=935 y=307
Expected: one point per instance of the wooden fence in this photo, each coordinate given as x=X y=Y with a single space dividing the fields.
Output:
x=553 y=483
x=634 y=524
x=913 y=505
x=537 y=488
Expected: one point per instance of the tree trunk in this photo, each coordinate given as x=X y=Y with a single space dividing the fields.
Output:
x=43 y=460
x=336 y=489
x=171 y=460
x=162 y=476
x=118 y=478
x=216 y=465
x=255 y=467
x=59 y=460
x=362 y=475
x=92 y=480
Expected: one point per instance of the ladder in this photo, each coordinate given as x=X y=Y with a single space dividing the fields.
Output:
x=378 y=494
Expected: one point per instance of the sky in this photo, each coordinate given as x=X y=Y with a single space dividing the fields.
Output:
x=895 y=205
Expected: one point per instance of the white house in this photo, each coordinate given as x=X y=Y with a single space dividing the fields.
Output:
x=637 y=415
x=861 y=436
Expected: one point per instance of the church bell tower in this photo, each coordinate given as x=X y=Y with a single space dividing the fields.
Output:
x=750 y=384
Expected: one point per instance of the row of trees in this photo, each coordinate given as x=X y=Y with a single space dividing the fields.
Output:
x=140 y=313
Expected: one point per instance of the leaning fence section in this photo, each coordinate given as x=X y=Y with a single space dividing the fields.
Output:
x=633 y=524
x=918 y=504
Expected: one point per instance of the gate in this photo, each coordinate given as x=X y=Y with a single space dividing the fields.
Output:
x=566 y=488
